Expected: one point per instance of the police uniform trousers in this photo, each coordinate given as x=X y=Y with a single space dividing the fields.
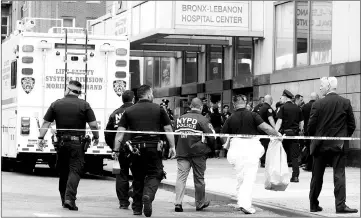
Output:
x=264 y=143
x=292 y=149
x=198 y=165
x=147 y=171
x=122 y=180
x=338 y=162
x=244 y=155
x=70 y=165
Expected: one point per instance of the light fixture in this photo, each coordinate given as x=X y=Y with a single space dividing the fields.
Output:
x=91 y=54
x=57 y=53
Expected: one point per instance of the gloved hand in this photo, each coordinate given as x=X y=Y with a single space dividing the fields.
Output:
x=95 y=141
x=41 y=144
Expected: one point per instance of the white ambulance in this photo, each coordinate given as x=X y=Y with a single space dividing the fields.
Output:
x=35 y=68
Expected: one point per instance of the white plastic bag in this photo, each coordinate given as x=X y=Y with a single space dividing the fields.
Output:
x=276 y=169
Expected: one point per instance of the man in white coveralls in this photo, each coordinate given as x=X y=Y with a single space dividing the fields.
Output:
x=245 y=153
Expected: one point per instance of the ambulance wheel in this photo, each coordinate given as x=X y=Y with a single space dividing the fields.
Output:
x=27 y=166
x=4 y=164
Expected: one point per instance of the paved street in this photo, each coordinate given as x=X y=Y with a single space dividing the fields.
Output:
x=36 y=195
x=220 y=178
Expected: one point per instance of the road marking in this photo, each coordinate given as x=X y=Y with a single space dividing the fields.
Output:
x=45 y=215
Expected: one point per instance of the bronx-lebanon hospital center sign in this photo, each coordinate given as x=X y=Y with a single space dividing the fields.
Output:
x=213 y=14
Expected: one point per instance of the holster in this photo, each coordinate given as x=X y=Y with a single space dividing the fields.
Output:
x=85 y=142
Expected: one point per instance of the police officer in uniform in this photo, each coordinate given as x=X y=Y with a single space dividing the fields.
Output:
x=290 y=123
x=70 y=112
x=146 y=163
x=268 y=115
x=122 y=179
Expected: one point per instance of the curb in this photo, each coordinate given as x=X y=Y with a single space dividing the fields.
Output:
x=216 y=196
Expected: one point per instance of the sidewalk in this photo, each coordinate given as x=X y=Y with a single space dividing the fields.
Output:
x=220 y=178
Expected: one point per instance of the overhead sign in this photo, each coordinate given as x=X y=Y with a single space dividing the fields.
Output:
x=214 y=14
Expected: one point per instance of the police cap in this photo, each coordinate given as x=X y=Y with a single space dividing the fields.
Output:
x=287 y=93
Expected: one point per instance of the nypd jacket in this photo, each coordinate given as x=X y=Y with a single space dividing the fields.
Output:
x=113 y=124
x=193 y=145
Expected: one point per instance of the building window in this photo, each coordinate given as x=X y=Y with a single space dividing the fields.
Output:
x=215 y=61
x=302 y=26
x=190 y=73
x=165 y=70
x=284 y=35
x=157 y=72
x=307 y=43
x=243 y=56
x=320 y=36
x=4 y=27
x=68 y=22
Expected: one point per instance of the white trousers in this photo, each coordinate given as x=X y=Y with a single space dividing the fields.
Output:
x=244 y=155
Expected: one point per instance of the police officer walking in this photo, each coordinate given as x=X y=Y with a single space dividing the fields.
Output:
x=192 y=152
x=70 y=112
x=290 y=123
x=268 y=115
x=122 y=179
x=146 y=163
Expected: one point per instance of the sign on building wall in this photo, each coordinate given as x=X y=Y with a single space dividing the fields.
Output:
x=214 y=14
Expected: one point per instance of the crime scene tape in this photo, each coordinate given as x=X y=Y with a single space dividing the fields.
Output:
x=217 y=134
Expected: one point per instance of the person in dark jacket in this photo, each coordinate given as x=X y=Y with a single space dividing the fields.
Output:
x=192 y=152
x=259 y=105
x=306 y=116
x=331 y=116
x=205 y=108
x=216 y=121
x=122 y=179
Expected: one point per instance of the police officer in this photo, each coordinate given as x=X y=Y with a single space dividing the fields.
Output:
x=147 y=167
x=290 y=123
x=70 y=112
x=122 y=179
x=268 y=115
x=192 y=152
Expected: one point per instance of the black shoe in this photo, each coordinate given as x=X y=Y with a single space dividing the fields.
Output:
x=178 y=208
x=295 y=179
x=136 y=212
x=262 y=165
x=124 y=207
x=346 y=209
x=205 y=205
x=70 y=205
x=307 y=169
x=316 y=209
x=147 y=206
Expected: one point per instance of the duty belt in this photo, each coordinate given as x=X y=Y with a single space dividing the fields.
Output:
x=145 y=144
x=69 y=138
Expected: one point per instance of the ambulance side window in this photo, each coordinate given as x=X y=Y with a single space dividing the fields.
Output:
x=14 y=70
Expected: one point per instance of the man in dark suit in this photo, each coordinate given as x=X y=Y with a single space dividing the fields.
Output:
x=306 y=110
x=331 y=116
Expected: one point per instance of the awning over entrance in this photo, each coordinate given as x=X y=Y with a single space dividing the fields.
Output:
x=157 y=28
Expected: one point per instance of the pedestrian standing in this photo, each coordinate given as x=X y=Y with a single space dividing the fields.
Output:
x=290 y=123
x=306 y=115
x=205 y=108
x=122 y=179
x=331 y=116
x=192 y=153
x=70 y=112
x=225 y=113
x=244 y=153
x=268 y=115
x=147 y=167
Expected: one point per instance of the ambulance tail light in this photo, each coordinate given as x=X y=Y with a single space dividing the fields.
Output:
x=121 y=51
x=28 y=48
x=27 y=60
x=25 y=125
